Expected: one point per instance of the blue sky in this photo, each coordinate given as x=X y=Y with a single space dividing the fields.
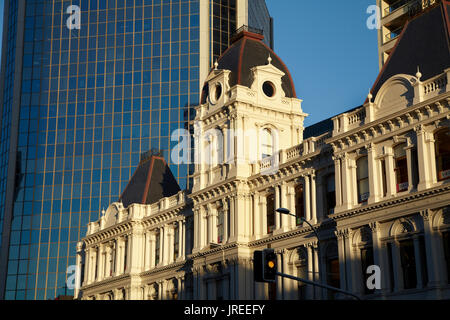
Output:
x=330 y=52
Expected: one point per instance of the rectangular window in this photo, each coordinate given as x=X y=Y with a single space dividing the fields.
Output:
x=331 y=194
x=442 y=143
x=401 y=168
x=299 y=204
x=362 y=175
x=176 y=242
x=220 y=224
x=270 y=207
x=125 y=255
x=157 y=245
x=383 y=177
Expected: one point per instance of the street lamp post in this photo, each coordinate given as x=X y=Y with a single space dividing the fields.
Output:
x=288 y=212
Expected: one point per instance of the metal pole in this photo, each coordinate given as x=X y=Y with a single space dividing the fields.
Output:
x=318 y=285
x=318 y=246
x=318 y=251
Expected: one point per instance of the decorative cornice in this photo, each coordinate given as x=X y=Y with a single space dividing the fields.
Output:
x=390 y=203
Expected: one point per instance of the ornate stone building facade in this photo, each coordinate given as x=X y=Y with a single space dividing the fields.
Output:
x=374 y=184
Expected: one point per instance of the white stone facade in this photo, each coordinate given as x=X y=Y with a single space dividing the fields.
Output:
x=376 y=188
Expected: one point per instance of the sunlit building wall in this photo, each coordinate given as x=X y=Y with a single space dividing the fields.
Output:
x=78 y=109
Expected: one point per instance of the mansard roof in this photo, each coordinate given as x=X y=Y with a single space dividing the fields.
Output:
x=246 y=52
x=424 y=43
x=152 y=181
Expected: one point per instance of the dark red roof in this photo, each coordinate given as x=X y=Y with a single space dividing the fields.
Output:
x=247 y=51
x=151 y=182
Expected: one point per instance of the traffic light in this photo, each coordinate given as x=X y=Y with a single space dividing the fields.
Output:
x=265 y=265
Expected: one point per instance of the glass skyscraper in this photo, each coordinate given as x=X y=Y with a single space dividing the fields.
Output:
x=79 y=106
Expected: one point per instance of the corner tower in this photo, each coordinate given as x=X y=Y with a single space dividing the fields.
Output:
x=248 y=113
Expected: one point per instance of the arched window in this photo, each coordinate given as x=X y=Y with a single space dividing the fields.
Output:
x=362 y=177
x=299 y=203
x=220 y=224
x=270 y=207
x=330 y=194
x=266 y=144
x=401 y=167
x=442 y=142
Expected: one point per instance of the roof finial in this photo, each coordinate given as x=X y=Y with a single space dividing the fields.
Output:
x=103 y=211
x=269 y=59
x=216 y=64
x=370 y=96
x=418 y=74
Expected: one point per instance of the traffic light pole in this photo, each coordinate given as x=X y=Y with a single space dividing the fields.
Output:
x=318 y=285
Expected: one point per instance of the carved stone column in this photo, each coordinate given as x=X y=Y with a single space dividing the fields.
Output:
x=434 y=252
x=341 y=234
x=232 y=218
x=240 y=218
x=136 y=250
x=109 y=262
x=338 y=179
x=170 y=244
x=425 y=174
x=373 y=168
x=226 y=212
x=101 y=262
x=313 y=199
x=307 y=198
x=279 y=280
x=120 y=256
x=347 y=200
x=182 y=239
x=196 y=231
x=409 y=162
x=263 y=214
x=380 y=256
x=284 y=204
x=391 y=189
x=257 y=223
x=213 y=221
x=277 y=205
x=153 y=250
x=87 y=266
x=94 y=264
x=148 y=250
x=310 y=288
